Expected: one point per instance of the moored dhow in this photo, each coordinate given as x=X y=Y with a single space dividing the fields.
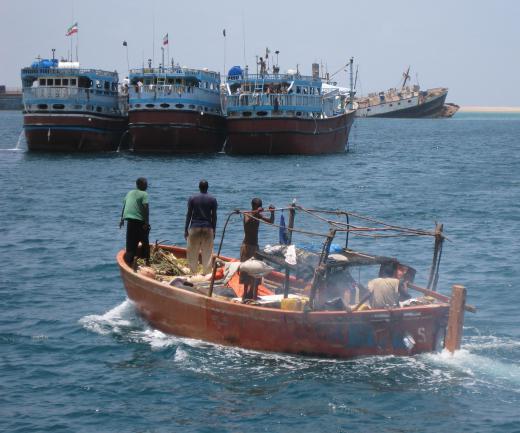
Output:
x=284 y=113
x=71 y=109
x=175 y=110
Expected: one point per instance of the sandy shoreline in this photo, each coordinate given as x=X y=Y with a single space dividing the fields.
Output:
x=482 y=109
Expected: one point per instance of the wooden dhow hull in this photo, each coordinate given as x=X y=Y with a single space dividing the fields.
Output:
x=73 y=132
x=288 y=135
x=176 y=131
x=338 y=334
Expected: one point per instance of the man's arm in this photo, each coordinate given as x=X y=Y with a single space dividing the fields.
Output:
x=188 y=218
x=214 y=218
x=122 y=221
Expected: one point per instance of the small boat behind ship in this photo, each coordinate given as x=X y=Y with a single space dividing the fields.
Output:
x=175 y=110
x=405 y=102
x=284 y=113
x=71 y=109
x=310 y=301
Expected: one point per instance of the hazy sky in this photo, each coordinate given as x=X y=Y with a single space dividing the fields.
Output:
x=469 y=46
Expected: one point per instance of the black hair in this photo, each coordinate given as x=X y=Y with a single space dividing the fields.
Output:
x=203 y=185
x=141 y=183
x=256 y=203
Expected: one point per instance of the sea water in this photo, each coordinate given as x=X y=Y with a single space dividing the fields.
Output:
x=75 y=356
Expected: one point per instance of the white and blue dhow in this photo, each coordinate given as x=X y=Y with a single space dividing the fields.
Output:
x=72 y=109
x=175 y=110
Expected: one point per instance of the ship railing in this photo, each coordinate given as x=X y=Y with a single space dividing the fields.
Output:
x=282 y=100
x=170 y=89
x=251 y=78
x=176 y=71
x=65 y=92
x=67 y=71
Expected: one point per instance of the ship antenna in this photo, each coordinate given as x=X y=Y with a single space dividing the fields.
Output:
x=406 y=77
x=244 y=35
x=351 y=62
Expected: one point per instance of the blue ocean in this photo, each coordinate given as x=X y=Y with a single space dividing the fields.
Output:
x=75 y=356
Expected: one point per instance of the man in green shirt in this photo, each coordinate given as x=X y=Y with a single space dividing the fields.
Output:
x=136 y=212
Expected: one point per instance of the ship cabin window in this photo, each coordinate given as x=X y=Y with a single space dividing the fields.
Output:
x=164 y=105
x=84 y=82
x=178 y=81
x=99 y=109
x=192 y=107
x=42 y=81
x=42 y=106
x=246 y=114
x=409 y=100
x=50 y=81
x=107 y=85
x=179 y=106
x=369 y=109
x=298 y=89
x=57 y=82
x=65 y=81
x=398 y=103
x=391 y=105
x=58 y=106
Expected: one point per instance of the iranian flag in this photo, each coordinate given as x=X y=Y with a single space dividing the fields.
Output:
x=165 y=39
x=72 y=29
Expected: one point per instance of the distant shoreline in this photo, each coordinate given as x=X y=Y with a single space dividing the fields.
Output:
x=482 y=109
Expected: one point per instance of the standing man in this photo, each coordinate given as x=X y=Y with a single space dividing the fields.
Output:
x=136 y=213
x=250 y=243
x=199 y=230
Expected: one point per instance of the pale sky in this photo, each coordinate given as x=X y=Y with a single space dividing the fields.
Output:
x=469 y=46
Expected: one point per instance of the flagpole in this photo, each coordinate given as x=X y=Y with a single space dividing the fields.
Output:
x=77 y=43
x=224 y=33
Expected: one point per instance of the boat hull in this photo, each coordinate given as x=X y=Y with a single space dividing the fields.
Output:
x=178 y=131
x=283 y=135
x=70 y=132
x=432 y=106
x=323 y=333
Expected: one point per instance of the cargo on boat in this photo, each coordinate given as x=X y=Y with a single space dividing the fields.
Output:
x=333 y=301
x=67 y=108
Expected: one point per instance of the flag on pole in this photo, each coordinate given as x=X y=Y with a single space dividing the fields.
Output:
x=165 y=39
x=125 y=44
x=72 y=29
x=224 y=32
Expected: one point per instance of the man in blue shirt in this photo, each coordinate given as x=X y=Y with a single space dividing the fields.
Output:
x=199 y=230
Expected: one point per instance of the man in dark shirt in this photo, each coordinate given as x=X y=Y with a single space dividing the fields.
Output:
x=199 y=230
x=250 y=243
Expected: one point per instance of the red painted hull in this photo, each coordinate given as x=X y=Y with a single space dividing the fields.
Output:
x=321 y=333
x=73 y=132
x=282 y=135
x=176 y=131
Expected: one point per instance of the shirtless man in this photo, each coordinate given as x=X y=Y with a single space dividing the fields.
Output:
x=250 y=243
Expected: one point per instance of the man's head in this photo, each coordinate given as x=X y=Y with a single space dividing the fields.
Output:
x=141 y=183
x=256 y=203
x=400 y=272
x=203 y=185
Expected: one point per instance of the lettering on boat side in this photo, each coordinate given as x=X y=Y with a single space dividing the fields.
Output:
x=421 y=333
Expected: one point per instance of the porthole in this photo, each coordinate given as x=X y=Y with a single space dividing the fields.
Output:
x=78 y=107
x=42 y=106
x=164 y=105
x=179 y=105
x=99 y=109
x=58 y=106
x=262 y=113
x=298 y=113
x=246 y=114
x=137 y=105
x=150 y=105
x=192 y=107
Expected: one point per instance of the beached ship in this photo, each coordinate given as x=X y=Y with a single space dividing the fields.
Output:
x=72 y=109
x=315 y=303
x=284 y=113
x=406 y=101
x=175 y=110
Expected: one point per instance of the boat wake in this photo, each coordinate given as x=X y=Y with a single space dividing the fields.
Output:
x=470 y=366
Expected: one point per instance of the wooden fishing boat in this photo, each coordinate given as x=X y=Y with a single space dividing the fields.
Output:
x=312 y=329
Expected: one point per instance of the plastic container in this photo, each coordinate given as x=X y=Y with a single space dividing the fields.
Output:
x=293 y=304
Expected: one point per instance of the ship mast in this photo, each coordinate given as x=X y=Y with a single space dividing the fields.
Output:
x=351 y=93
x=406 y=77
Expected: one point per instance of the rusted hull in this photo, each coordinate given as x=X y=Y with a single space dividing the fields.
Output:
x=281 y=135
x=73 y=132
x=178 y=131
x=326 y=334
